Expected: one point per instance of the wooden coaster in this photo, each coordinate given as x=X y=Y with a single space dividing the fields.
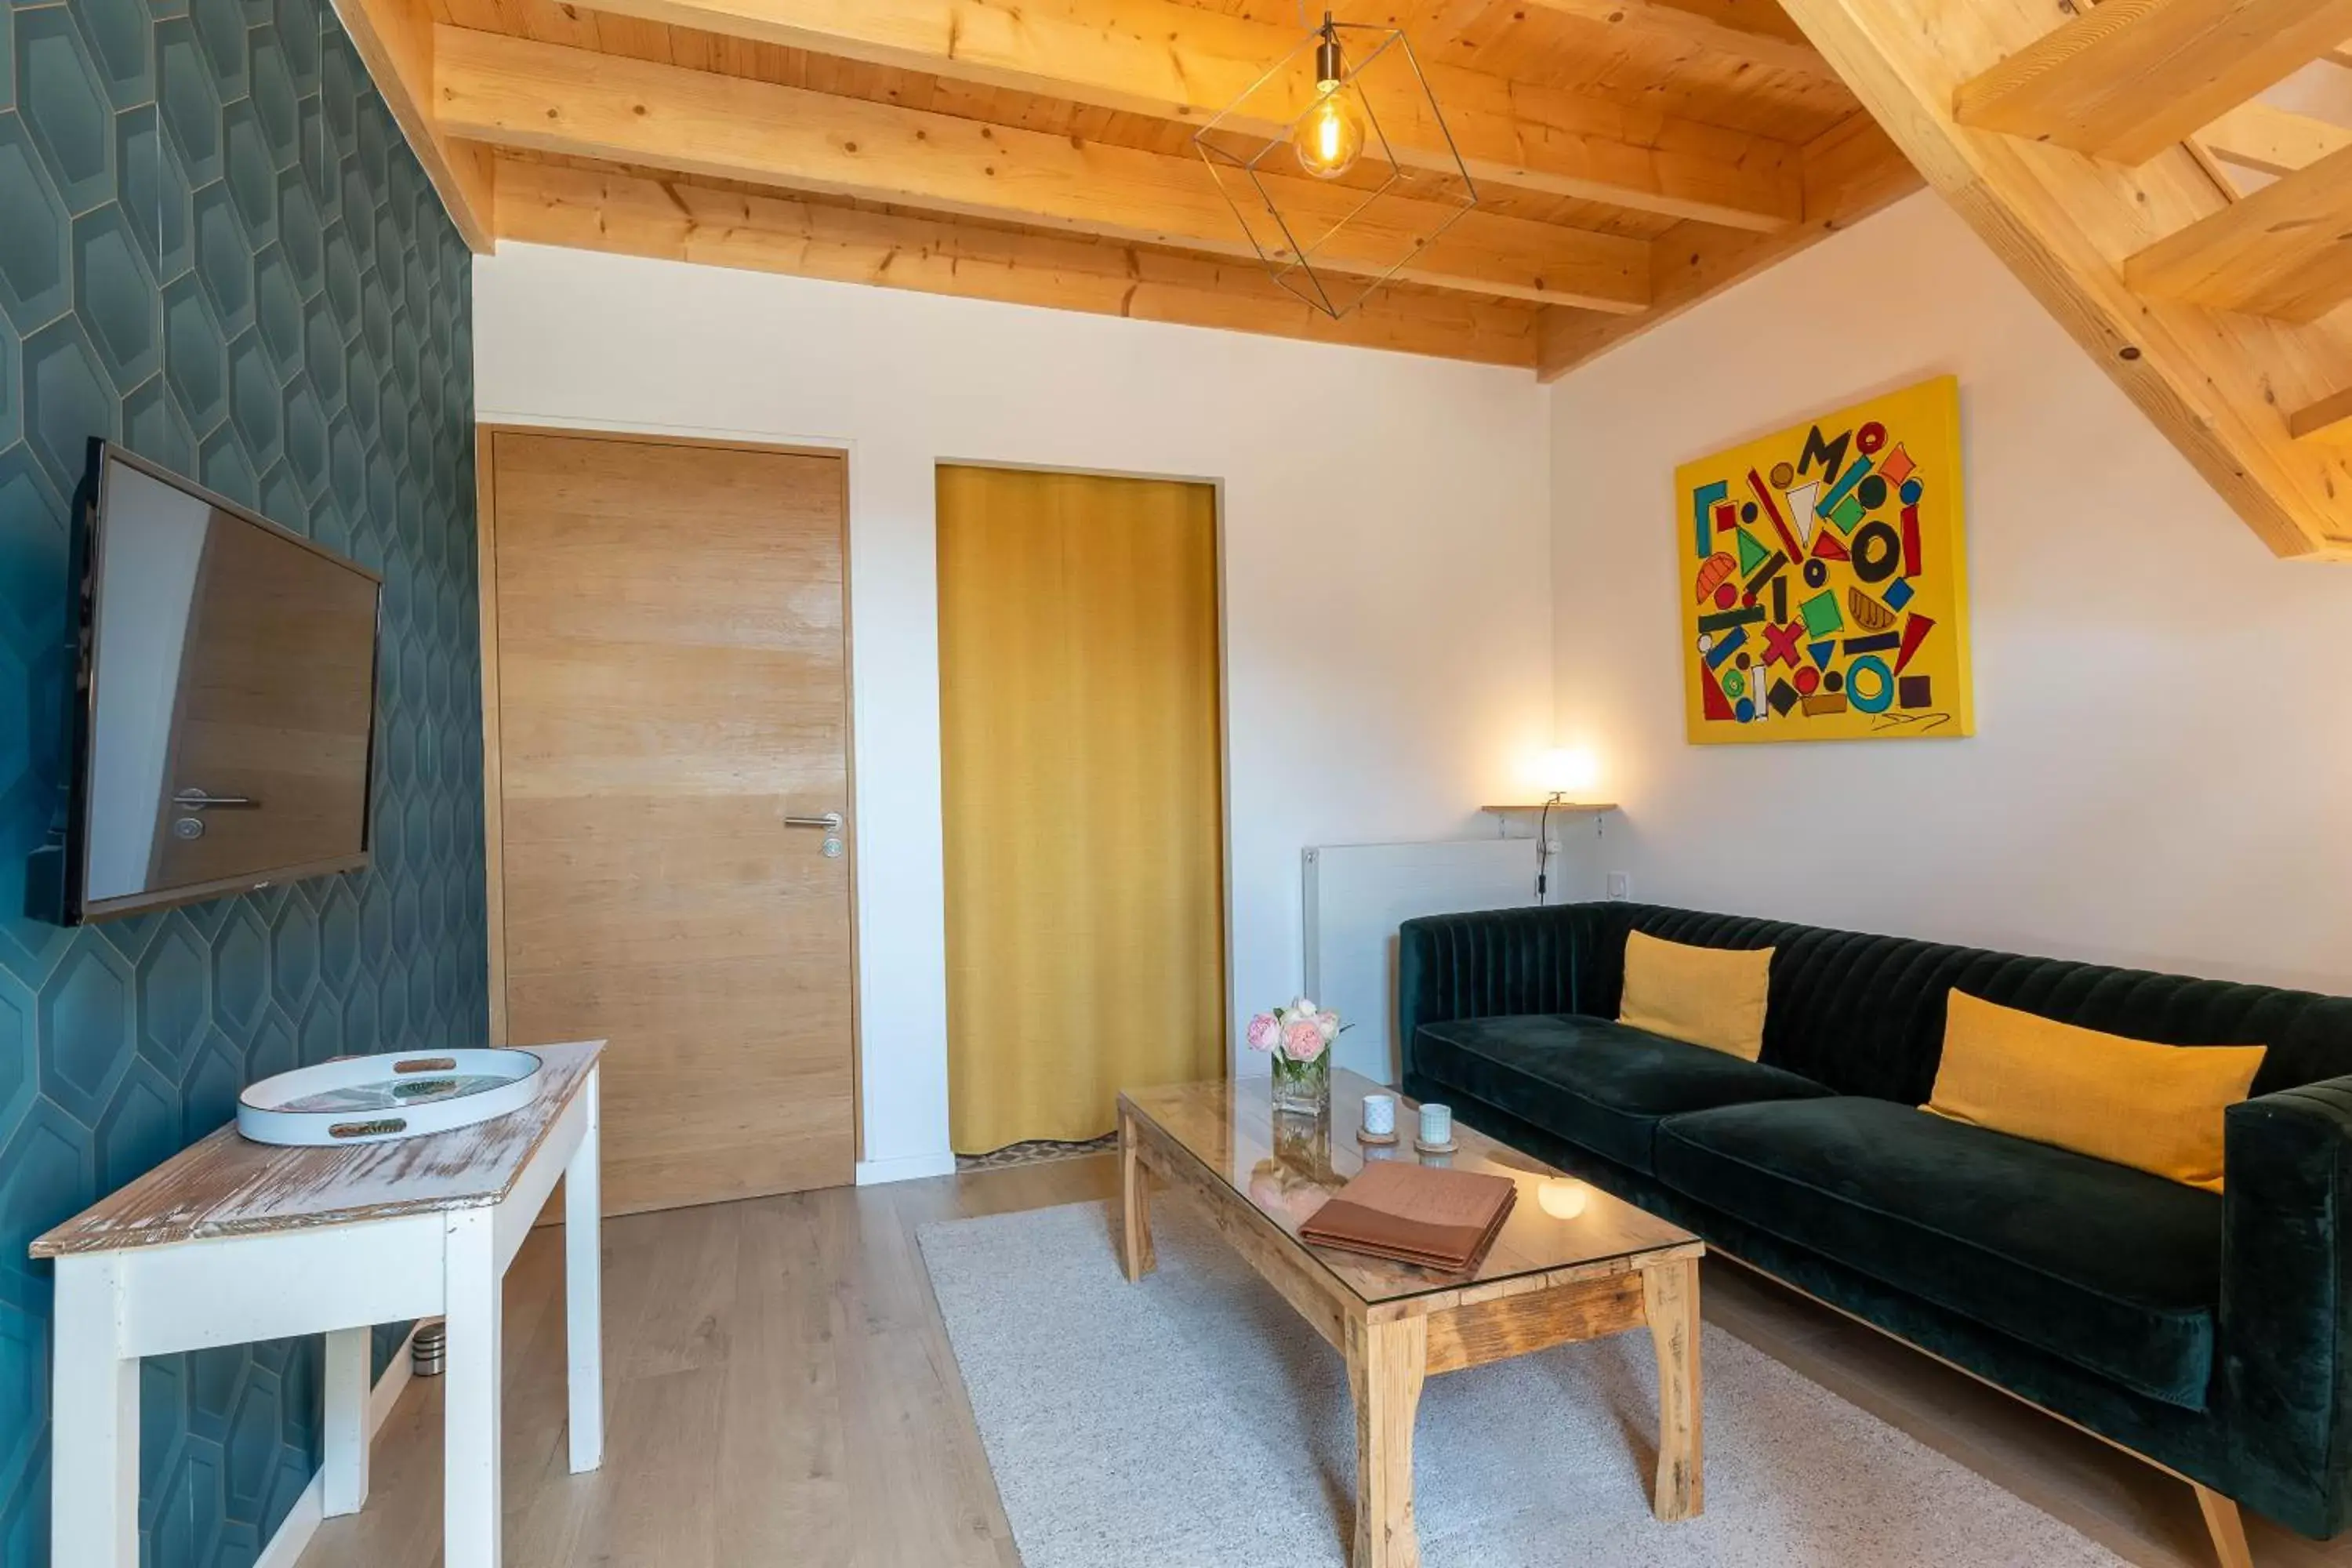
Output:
x=1376 y=1140
x=1448 y=1147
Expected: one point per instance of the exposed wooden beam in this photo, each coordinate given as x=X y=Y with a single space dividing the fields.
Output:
x=2284 y=251
x=1755 y=30
x=394 y=40
x=1852 y=169
x=2329 y=419
x=509 y=92
x=2216 y=385
x=2272 y=141
x=673 y=219
x=1177 y=62
x=2129 y=78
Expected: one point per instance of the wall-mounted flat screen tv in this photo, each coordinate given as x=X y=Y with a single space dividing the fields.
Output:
x=225 y=720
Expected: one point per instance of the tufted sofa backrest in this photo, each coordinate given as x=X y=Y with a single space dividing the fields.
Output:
x=1865 y=1015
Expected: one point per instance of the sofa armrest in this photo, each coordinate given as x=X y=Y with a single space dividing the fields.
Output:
x=2286 y=1294
x=1487 y=966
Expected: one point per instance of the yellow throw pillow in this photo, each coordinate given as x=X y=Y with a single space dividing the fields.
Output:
x=2153 y=1107
x=1709 y=997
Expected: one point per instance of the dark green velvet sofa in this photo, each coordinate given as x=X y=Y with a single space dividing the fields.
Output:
x=2210 y=1334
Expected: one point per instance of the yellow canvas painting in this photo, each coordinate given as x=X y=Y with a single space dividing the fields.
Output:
x=1824 y=575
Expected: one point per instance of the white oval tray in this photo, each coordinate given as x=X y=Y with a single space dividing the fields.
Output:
x=374 y=1099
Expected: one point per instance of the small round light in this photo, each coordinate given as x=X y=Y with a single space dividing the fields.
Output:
x=1563 y=1197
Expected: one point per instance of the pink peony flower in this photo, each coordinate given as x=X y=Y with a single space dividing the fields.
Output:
x=1264 y=1033
x=1302 y=1041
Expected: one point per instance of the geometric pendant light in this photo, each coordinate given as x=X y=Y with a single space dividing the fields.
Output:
x=1304 y=162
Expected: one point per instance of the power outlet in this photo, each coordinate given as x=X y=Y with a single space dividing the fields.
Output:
x=1621 y=885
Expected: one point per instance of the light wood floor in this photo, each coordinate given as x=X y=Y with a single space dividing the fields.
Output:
x=781 y=1390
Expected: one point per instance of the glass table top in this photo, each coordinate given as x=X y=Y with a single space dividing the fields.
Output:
x=1286 y=1166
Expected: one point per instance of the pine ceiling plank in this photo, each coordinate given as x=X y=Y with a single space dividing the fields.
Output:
x=678 y=220
x=2217 y=386
x=511 y=92
x=395 y=40
x=2272 y=141
x=2284 y=251
x=1851 y=170
x=1743 y=28
x=1177 y=62
x=2130 y=78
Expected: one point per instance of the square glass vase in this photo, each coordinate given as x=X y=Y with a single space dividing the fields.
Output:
x=1302 y=1088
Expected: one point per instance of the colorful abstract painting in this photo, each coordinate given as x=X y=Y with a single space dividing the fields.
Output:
x=1824 y=578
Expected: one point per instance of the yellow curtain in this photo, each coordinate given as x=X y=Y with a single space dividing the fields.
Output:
x=1079 y=731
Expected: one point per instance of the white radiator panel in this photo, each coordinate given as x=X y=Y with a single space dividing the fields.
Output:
x=1358 y=894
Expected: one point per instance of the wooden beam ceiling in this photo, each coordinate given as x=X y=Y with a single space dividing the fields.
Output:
x=640 y=213
x=2223 y=387
x=1755 y=30
x=1851 y=171
x=517 y=93
x=2129 y=78
x=2285 y=251
x=1039 y=152
x=394 y=41
x=1178 y=62
x=2271 y=141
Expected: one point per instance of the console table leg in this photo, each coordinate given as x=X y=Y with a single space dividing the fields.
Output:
x=2227 y=1528
x=351 y=1367
x=1670 y=1301
x=1386 y=1365
x=584 y=1291
x=93 y=1421
x=471 y=1412
x=1134 y=1205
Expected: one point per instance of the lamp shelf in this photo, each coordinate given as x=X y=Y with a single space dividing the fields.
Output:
x=1536 y=807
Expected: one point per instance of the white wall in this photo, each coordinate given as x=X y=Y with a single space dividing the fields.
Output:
x=1386 y=560
x=2162 y=768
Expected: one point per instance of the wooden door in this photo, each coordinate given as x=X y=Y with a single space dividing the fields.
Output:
x=670 y=672
x=1083 y=803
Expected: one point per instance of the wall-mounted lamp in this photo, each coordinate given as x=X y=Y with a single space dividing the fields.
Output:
x=1567 y=774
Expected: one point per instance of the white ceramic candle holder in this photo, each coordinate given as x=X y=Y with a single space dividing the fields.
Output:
x=1436 y=1131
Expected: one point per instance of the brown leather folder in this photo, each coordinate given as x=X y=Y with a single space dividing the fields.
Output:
x=1429 y=1215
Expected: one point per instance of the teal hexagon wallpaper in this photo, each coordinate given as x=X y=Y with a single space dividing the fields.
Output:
x=216 y=247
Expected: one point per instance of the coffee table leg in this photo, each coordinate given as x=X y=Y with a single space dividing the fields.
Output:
x=1134 y=1205
x=1386 y=1364
x=1670 y=1300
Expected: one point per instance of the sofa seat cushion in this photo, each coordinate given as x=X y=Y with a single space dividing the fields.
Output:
x=1597 y=1082
x=2117 y=1270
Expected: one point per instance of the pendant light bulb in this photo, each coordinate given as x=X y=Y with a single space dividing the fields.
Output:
x=1329 y=137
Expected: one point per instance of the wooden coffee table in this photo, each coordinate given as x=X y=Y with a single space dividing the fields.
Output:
x=1571 y=1262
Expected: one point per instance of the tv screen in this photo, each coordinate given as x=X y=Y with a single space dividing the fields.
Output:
x=228 y=718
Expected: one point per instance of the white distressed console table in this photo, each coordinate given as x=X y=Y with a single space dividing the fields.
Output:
x=230 y=1242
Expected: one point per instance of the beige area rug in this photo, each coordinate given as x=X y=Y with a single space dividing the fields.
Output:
x=1194 y=1421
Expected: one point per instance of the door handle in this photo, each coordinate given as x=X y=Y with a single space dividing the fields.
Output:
x=830 y=822
x=196 y=799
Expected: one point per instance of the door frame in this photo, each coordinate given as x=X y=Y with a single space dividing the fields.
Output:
x=493 y=834
x=1216 y=488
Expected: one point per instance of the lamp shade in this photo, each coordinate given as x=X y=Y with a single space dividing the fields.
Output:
x=1566 y=770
